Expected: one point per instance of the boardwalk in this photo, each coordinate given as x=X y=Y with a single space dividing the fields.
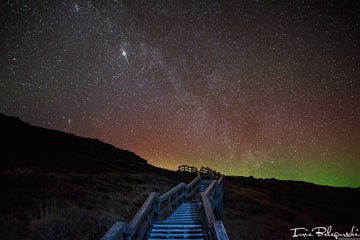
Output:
x=187 y=211
x=184 y=223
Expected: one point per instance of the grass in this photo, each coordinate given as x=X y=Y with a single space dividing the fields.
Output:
x=55 y=185
x=40 y=204
x=52 y=205
x=268 y=209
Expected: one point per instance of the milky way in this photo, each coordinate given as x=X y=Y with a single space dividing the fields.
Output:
x=262 y=88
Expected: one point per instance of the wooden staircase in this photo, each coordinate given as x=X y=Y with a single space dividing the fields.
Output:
x=184 y=223
x=204 y=184
x=187 y=211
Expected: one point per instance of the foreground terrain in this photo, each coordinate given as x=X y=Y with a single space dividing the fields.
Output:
x=269 y=208
x=55 y=185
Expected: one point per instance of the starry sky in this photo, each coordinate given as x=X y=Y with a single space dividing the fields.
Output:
x=263 y=88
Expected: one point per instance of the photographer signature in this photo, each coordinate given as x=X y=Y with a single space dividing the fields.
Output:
x=323 y=232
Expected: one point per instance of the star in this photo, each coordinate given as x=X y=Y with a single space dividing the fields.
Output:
x=124 y=54
x=255 y=88
x=76 y=7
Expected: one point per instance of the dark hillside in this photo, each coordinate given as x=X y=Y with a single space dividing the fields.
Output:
x=269 y=208
x=24 y=145
x=55 y=185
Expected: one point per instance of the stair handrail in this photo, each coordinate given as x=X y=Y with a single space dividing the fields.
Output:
x=147 y=212
x=172 y=199
x=210 y=192
x=221 y=190
x=211 y=199
x=193 y=188
x=177 y=195
x=153 y=209
x=138 y=228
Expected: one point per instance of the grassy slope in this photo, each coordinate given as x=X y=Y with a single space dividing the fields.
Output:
x=55 y=185
x=52 y=205
x=268 y=209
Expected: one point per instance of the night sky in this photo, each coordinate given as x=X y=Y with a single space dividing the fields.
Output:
x=262 y=88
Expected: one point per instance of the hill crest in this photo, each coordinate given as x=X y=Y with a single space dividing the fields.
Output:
x=25 y=145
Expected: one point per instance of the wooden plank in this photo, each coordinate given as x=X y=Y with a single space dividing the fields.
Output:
x=117 y=231
x=145 y=208
x=195 y=180
x=172 y=191
x=220 y=231
x=207 y=208
x=210 y=187
x=221 y=179
x=186 y=168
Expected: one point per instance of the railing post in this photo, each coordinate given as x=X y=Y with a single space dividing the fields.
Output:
x=157 y=208
x=217 y=201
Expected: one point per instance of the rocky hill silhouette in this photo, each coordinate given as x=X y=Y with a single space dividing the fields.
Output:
x=29 y=146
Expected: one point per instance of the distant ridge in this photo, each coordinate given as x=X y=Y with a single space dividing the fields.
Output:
x=27 y=146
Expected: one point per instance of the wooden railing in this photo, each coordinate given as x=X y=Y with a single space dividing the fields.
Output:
x=212 y=199
x=139 y=226
x=210 y=172
x=185 y=168
x=154 y=208
x=158 y=207
x=169 y=201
